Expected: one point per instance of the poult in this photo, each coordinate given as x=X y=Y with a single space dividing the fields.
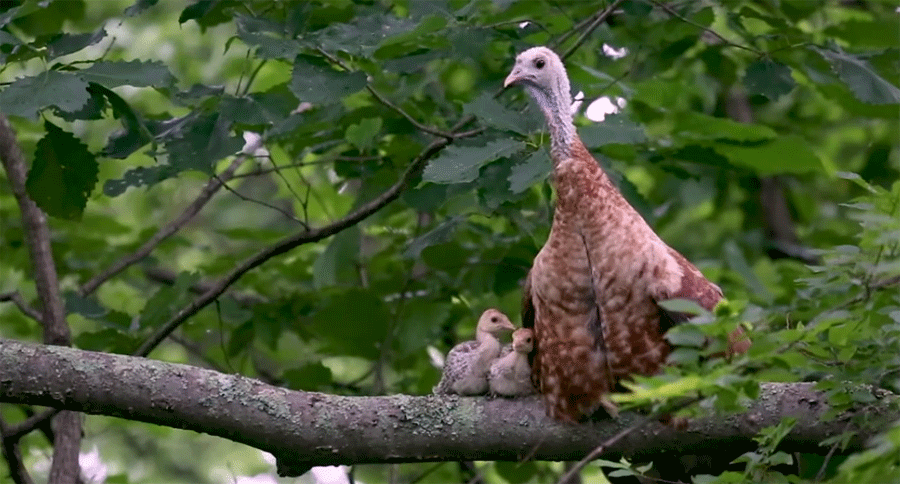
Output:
x=467 y=364
x=510 y=375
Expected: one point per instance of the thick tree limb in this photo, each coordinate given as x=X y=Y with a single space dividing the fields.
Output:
x=305 y=429
x=64 y=468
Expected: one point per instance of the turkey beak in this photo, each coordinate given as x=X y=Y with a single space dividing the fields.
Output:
x=508 y=325
x=512 y=77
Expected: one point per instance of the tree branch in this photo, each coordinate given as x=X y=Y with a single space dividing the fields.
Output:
x=669 y=10
x=13 y=455
x=303 y=237
x=64 y=467
x=20 y=303
x=305 y=429
x=591 y=27
x=212 y=186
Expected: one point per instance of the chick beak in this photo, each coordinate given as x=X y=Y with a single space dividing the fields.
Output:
x=508 y=325
x=511 y=78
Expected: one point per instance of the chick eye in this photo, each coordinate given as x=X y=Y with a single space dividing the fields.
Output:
x=494 y=319
x=539 y=63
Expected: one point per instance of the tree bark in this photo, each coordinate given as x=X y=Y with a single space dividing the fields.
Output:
x=305 y=429
x=64 y=468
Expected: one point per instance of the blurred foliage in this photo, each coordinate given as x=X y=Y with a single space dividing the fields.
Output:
x=124 y=111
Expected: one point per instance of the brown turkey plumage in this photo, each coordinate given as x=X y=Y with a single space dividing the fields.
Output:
x=592 y=292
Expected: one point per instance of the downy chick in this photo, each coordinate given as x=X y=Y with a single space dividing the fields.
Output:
x=510 y=375
x=467 y=364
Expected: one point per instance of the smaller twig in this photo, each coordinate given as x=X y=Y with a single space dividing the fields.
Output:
x=572 y=31
x=399 y=110
x=704 y=28
x=210 y=189
x=621 y=435
x=260 y=202
x=167 y=277
x=388 y=103
x=514 y=22
x=13 y=455
x=20 y=303
x=17 y=431
x=821 y=474
x=591 y=27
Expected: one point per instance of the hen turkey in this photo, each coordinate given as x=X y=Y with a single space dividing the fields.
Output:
x=593 y=290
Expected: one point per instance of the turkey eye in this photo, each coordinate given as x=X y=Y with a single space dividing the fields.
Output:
x=539 y=63
x=494 y=319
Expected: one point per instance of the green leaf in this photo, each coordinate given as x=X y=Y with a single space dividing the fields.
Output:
x=28 y=95
x=202 y=142
x=315 y=82
x=516 y=472
x=107 y=339
x=139 y=6
x=64 y=44
x=686 y=335
x=130 y=73
x=494 y=114
x=685 y=306
x=136 y=133
x=353 y=322
x=309 y=377
x=787 y=154
x=338 y=264
x=769 y=78
x=673 y=389
x=531 y=171
x=91 y=309
x=460 y=164
x=62 y=175
x=269 y=45
x=870 y=33
x=420 y=325
x=160 y=306
x=241 y=339
x=861 y=78
x=196 y=10
x=138 y=177
x=696 y=126
x=738 y=263
x=615 y=129
x=427 y=25
x=363 y=133
x=438 y=235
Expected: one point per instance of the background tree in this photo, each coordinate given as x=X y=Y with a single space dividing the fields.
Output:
x=316 y=194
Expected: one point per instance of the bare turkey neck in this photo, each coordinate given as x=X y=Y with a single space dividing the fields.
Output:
x=556 y=105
